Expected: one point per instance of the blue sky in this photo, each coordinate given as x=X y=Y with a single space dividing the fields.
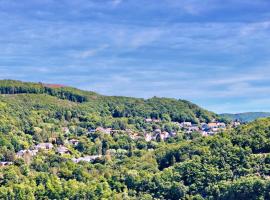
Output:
x=212 y=52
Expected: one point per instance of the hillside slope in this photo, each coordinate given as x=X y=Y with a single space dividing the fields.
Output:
x=158 y=108
x=246 y=117
x=79 y=163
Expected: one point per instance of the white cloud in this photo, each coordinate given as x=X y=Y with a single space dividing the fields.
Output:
x=254 y=28
x=116 y=2
x=91 y=52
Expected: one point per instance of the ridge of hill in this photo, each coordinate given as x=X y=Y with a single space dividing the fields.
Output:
x=246 y=116
x=116 y=106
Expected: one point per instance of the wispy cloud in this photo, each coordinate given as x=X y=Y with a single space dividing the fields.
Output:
x=116 y=2
x=91 y=52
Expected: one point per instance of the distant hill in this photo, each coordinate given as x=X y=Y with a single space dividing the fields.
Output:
x=246 y=117
x=91 y=103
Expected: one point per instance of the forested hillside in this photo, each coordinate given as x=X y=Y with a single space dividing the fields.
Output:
x=158 y=108
x=246 y=117
x=55 y=144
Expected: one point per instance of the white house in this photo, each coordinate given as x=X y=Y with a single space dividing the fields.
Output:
x=148 y=120
x=2 y=164
x=186 y=124
x=73 y=142
x=62 y=150
x=148 y=137
x=21 y=153
x=86 y=158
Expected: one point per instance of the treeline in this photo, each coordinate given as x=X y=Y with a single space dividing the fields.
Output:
x=118 y=107
x=157 y=108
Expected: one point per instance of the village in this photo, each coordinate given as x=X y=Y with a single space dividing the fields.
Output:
x=205 y=129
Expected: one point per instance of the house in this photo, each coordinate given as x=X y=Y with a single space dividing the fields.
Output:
x=186 y=124
x=156 y=120
x=148 y=137
x=193 y=128
x=73 y=142
x=221 y=125
x=104 y=130
x=236 y=123
x=212 y=125
x=62 y=150
x=164 y=135
x=22 y=153
x=148 y=120
x=2 y=164
x=91 y=131
x=215 y=129
x=44 y=146
x=86 y=158
x=107 y=131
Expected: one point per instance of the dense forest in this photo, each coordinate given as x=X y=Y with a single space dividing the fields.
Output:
x=232 y=164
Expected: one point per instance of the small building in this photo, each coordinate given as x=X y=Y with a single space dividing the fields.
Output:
x=73 y=142
x=91 y=131
x=44 y=146
x=108 y=130
x=62 y=150
x=185 y=124
x=148 y=120
x=22 y=153
x=3 y=164
x=148 y=137
x=193 y=128
x=86 y=158
x=221 y=125
x=212 y=125
x=165 y=135
x=104 y=130
x=215 y=130
x=236 y=124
